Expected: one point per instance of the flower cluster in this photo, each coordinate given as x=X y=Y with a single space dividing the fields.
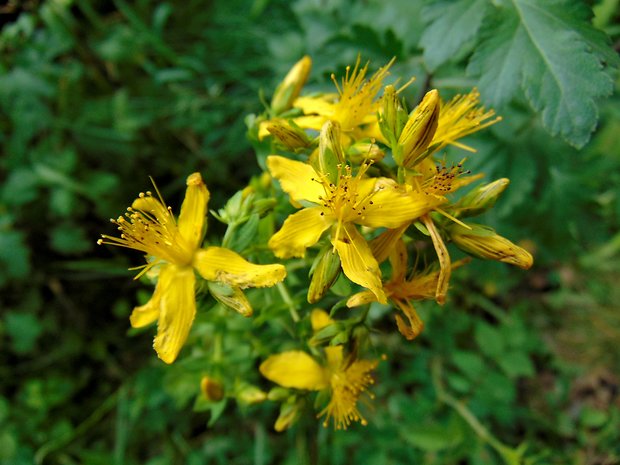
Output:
x=358 y=195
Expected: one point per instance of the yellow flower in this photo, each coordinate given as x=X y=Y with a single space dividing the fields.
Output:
x=150 y=227
x=344 y=380
x=355 y=105
x=401 y=290
x=460 y=117
x=353 y=199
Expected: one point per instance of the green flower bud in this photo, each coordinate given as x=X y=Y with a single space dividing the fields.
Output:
x=393 y=117
x=291 y=86
x=481 y=198
x=419 y=131
x=249 y=394
x=289 y=413
x=211 y=389
x=289 y=135
x=324 y=272
x=330 y=153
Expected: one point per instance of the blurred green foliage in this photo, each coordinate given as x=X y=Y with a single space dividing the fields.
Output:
x=97 y=96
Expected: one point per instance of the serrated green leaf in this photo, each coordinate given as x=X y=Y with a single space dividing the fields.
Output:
x=450 y=25
x=553 y=53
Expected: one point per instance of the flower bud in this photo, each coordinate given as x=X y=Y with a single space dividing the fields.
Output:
x=481 y=198
x=211 y=389
x=483 y=242
x=419 y=131
x=319 y=319
x=249 y=394
x=289 y=413
x=324 y=272
x=330 y=153
x=362 y=151
x=278 y=394
x=393 y=117
x=291 y=86
x=289 y=135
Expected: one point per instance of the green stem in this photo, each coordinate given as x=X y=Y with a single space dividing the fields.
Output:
x=286 y=297
x=229 y=234
x=55 y=444
x=509 y=455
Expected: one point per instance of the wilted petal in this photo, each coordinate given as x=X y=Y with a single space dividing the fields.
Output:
x=383 y=244
x=224 y=265
x=414 y=325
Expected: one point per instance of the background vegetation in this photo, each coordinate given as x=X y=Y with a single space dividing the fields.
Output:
x=95 y=96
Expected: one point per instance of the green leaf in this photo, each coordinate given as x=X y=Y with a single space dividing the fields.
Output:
x=434 y=436
x=14 y=256
x=24 y=330
x=516 y=364
x=489 y=339
x=560 y=61
x=69 y=238
x=451 y=25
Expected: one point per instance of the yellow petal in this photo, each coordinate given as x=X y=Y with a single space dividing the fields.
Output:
x=194 y=211
x=310 y=122
x=178 y=308
x=361 y=298
x=391 y=207
x=334 y=357
x=319 y=319
x=357 y=261
x=300 y=231
x=316 y=105
x=224 y=265
x=299 y=180
x=149 y=312
x=295 y=369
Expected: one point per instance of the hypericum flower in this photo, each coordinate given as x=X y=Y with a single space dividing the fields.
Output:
x=345 y=380
x=174 y=246
x=401 y=289
x=352 y=199
x=356 y=103
x=460 y=117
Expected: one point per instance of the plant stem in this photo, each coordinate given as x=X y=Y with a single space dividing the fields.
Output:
x=509 y=455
